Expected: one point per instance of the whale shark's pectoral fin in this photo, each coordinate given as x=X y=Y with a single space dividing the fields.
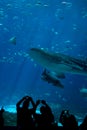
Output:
x=60 y=75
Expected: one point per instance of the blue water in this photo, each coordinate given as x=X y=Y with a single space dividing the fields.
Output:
x=60 y=26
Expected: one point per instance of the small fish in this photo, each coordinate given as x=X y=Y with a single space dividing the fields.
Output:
x=13 y=40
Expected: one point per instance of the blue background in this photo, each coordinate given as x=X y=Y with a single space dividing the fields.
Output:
x=60 y=26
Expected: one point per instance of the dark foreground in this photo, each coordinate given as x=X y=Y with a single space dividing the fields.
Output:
x=25 y=118
x=15 y=128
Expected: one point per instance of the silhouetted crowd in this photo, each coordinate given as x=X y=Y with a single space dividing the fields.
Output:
x=28 y=118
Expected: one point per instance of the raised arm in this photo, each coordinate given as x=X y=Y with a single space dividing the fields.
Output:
x=19 y=103
x=44 y=103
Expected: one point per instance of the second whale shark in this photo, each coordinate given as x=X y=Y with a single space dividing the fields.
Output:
x=59 y=63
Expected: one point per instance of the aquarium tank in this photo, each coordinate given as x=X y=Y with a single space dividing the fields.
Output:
x=40 y=37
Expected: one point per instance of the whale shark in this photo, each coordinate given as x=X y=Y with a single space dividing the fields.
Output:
x=58 y=63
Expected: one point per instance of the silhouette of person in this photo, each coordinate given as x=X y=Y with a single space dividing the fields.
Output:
x=1 y=118
x=25 y=113
x=63 y=117
x=46 y=117
x=68 y=120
